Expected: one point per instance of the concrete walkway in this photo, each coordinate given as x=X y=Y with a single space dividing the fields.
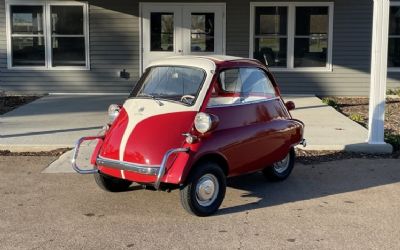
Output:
x=327 y=129
x=58 y=121
x=54 y=122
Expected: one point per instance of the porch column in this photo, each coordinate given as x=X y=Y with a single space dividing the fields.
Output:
x=380 y=40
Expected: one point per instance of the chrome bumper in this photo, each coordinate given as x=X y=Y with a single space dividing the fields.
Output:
x=76 y=153
x=156 y=170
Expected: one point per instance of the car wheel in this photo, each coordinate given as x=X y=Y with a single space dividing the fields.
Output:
x=111 y=184
x=205 y=190
x=281 y=170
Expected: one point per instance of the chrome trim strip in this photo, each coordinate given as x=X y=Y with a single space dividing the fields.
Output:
x=76 y=153
x=122 y=165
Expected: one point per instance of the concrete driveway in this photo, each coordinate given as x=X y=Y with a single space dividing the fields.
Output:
x=350 y=204
x=58 y=121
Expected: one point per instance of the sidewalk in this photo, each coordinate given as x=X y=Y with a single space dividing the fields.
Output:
x=54 y=122
x=327 y=129
x=58 y=121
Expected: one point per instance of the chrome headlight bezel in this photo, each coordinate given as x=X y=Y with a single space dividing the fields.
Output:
x=113 y=112
x=203 y=122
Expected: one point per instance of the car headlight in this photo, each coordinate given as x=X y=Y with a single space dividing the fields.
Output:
x=202 y=122
x=113 y=112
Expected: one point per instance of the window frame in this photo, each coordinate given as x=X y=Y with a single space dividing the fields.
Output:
x=393 y=69
x=47 y=33
x=291 y=30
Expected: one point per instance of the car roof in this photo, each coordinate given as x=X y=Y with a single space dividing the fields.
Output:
x=208 y=62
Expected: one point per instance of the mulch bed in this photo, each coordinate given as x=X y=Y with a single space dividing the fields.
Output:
x=57 y=152
x=310 y=157
x=360 y=106
x=8 y=103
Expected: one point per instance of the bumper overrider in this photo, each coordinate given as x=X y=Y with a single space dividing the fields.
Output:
x=154 y=170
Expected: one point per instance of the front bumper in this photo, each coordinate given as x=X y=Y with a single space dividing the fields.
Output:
x=154 y=170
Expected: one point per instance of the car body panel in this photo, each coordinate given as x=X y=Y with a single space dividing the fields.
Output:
x=248 y=137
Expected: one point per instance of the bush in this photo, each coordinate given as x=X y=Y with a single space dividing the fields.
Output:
x=330 y=102
x=393 y=139
x=393 y=92
x=357 y=118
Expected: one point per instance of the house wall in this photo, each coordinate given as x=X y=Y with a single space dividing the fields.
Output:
x=114 y=45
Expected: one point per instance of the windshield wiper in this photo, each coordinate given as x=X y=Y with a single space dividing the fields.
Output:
x=152 y=97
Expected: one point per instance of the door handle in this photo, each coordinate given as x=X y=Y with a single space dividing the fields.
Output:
x=180 y=51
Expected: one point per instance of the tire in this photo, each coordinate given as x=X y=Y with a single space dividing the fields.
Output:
x=195 y=195
x=281 y=170
x=111 y=184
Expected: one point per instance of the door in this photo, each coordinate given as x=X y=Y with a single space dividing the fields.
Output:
x=181 y=29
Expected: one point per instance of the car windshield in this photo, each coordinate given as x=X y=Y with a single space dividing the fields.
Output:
x=171 y=83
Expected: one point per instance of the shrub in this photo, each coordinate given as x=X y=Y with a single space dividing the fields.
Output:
x=357 y=118
x=330 y=102
x=393 y=92
x=393 y=139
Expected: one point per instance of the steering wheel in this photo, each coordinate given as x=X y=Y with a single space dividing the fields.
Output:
x=186 y=98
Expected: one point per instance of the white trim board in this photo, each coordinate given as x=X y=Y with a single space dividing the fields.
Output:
x=291 y=34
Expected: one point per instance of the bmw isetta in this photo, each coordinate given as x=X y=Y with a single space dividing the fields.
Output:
x=190 y=123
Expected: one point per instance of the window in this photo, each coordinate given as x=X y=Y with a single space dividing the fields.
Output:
x=394 y=37
x=47 y=35
x=202 y=32
x=162 y=31
x=292 y=36
x=242 y=85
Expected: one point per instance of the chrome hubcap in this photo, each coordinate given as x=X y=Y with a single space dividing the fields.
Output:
x=207 y=190
x=282 y=165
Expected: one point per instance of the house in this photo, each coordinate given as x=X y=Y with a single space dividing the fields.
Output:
x=102 y=46
x=321 y=48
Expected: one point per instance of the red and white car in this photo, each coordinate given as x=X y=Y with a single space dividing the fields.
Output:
x=190 y=123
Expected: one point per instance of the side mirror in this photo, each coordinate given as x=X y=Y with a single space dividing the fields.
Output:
x=290 y=105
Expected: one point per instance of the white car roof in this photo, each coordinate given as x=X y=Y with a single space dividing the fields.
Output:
x=205 y=62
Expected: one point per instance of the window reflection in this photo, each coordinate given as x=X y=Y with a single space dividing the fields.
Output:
x=162 y=31
x=311 y=39
x=270 y=41
x=394 y=37
x=202 y=32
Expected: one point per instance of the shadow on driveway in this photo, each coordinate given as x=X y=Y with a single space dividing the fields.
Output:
x=310 y=182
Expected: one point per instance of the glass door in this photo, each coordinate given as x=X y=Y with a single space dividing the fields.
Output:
x=204 y=30
x=181 y=29
x=161 y=32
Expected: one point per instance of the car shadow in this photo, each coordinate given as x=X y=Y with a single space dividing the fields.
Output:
x=310 y=182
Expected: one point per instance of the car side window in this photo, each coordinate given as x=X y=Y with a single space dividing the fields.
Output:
x=255 y=85
x=242 y=85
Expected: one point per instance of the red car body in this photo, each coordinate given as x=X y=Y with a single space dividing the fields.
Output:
x=246 y=137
